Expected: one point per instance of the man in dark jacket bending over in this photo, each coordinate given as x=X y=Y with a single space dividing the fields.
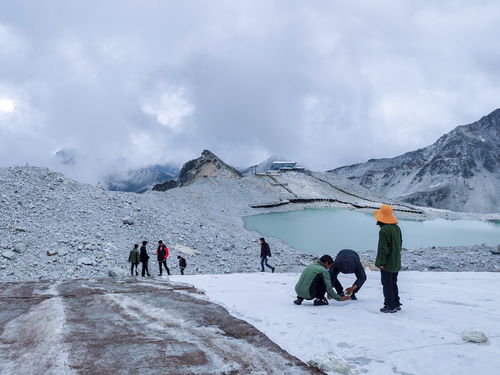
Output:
x=347 y=261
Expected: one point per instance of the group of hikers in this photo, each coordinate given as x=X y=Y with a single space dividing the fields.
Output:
x=142 y=256
x=317 y=279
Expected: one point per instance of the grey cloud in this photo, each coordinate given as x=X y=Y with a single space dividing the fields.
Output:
x=137 y=83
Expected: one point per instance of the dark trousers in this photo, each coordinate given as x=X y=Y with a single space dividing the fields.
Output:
x=263 y=261
x=132 y=266
x=164 y=262
x=145 y=268
x=318 y=287
x=182 y=270
x=390 y=288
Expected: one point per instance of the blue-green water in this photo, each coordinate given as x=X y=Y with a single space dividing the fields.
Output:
x=329 y=230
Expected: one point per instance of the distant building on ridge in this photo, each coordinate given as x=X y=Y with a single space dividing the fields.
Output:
x=286 y=166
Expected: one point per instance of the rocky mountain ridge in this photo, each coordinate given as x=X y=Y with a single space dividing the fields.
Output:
x=207 y=165
x=459 y=172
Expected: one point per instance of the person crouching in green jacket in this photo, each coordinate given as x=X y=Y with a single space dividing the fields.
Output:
x=315 y=281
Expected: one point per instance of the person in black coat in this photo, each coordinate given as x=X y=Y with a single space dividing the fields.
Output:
x=182 y=264
x=265 y=251
x=347 y=261
x=144 y=257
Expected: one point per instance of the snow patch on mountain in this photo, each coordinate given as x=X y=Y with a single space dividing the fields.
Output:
x=459 y=172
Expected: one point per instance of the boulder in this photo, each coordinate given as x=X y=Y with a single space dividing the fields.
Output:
x=20 y=248
x=128 y=220
x=474 y=336
x=115 y=272
x=86 y=261
x=8 y=254
x=112 y=273
x=330 y=362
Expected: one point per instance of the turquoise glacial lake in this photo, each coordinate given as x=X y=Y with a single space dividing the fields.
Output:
x=327 y=230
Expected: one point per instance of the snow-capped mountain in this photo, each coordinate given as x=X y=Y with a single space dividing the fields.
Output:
x=459 y=172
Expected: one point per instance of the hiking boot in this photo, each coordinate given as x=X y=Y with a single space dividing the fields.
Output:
x=387 y=309
x=320 y=302
x=353 y=297
x=272 y=271
x=398 y=306
x=298 y=301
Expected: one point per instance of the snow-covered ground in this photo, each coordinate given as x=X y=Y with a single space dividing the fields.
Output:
x=425 y=337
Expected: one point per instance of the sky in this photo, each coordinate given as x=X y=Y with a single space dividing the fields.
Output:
x=114 y=85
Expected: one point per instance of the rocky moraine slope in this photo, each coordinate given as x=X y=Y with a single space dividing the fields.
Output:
x=52 y=227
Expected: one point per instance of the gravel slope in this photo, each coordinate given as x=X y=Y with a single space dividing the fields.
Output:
x=52 y=227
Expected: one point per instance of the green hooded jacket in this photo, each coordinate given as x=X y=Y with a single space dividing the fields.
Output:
x=390 y=242
x=307 y=277
x=134 y=256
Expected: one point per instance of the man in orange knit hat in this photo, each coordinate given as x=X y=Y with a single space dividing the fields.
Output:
x=388 y=258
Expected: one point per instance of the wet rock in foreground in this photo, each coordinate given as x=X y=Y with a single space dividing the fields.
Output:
x=108 y=326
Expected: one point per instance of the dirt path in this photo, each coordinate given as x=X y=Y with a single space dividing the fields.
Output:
x=126 y=326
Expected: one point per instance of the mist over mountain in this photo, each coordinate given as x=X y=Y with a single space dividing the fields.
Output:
x=459 y=172
x=140 y=180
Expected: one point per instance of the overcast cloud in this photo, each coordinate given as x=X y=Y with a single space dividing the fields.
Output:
x=133 y=83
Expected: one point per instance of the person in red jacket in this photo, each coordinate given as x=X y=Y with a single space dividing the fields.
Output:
x=162 y=255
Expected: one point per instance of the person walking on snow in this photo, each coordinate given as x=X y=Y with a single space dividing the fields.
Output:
x=182 y=264
x=390 y=241
x=265 y=251
x=347 y=261
x=162 y=255
x=314 y=282
x=133 y=258
x=144 y=258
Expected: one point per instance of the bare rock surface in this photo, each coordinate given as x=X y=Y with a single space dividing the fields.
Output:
x=106 y=326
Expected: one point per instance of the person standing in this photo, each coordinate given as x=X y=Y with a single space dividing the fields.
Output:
x=347 y=261
x=162 y=255
x=144 y=258
x=182 y=264
x=265 y=251
x=133 y=258
x=390 y=241
x=314 y=282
